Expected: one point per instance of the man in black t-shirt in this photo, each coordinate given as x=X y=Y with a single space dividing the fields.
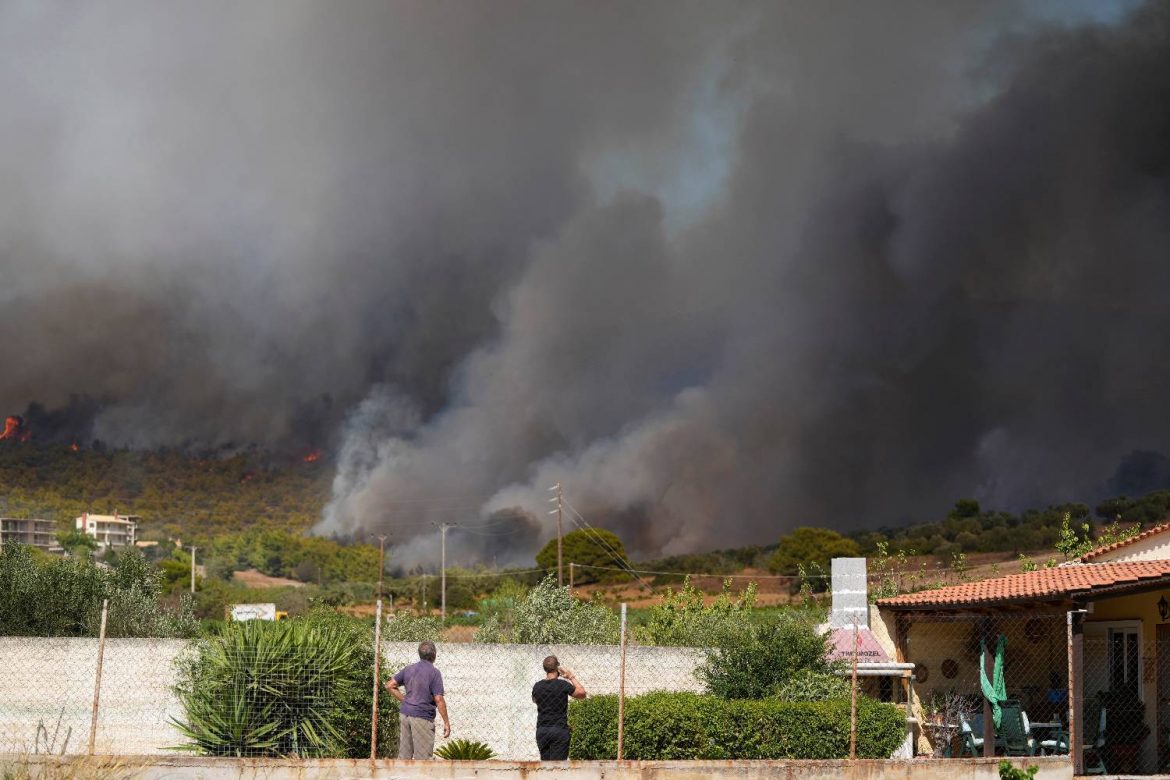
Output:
x=551 y=696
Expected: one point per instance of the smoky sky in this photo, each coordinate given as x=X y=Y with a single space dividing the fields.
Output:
x=719 y=269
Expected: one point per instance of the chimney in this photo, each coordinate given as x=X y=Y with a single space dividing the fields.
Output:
x=850 y=594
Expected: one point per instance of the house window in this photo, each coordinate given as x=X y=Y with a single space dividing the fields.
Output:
x=1125 y=660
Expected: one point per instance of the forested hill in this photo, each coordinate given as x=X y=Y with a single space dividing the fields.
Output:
x=197 y=498
x=177 y=494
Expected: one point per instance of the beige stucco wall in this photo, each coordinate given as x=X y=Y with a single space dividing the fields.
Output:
x=1142 y=607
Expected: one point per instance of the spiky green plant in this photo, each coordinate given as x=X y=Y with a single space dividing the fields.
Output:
x=464 y=750
x=294 y=688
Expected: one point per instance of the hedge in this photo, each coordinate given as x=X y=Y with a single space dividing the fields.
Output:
x=682 y=726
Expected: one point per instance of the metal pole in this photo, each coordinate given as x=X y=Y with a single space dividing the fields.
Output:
x=853 y=703
x=560 y=539
x=377 y=679
x=622 y=689
x=97 y=683
x=381 y=563
x=193 y=549
x=571 y=565
x=1075 y=689
x=443 y=565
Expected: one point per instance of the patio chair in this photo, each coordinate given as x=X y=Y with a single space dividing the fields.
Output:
x=1054 y=745
x=1012 y=735
x=972 y=734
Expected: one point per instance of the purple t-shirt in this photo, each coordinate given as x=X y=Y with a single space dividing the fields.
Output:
x=423 y=682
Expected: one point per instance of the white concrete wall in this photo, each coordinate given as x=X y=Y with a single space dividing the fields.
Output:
x=1049 y=768
x=50 y=683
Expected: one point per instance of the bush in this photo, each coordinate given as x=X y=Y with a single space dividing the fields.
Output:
x=753 y=663
x=687 y=726
x=43 y=596
x=550 y=615
x=684 y=620
x=807 y=685
x=294 y=688
x=407 y=628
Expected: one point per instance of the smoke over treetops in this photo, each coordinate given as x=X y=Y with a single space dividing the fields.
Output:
x=719 y=269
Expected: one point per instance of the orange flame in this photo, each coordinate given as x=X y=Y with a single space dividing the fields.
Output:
x=312 y=457
x=74 y=447
x=12 y=428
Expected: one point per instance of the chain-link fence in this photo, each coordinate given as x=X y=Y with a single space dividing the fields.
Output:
x=236 y=695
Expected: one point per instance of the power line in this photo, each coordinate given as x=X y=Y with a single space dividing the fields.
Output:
x=619 y=559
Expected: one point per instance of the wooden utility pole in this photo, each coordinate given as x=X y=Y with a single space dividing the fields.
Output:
x=560 y=517
x=571 y=565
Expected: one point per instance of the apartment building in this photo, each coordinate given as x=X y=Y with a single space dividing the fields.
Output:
x=30 y=531
x=110 y=530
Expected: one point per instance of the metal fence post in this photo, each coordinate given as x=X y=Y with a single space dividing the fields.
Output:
x=1075 y=684
x=377 y=680
x=622 y=689
x=97 y=683
x=853 y=703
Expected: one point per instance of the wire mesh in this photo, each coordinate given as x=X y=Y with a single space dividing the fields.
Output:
x=964 y=663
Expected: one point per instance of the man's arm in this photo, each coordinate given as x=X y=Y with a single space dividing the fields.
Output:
x=578 y=688
x=441 y=705
x=395 y=691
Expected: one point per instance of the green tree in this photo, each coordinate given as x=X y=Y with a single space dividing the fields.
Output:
x=588 y=547
x=811 y=546
x=76 y=542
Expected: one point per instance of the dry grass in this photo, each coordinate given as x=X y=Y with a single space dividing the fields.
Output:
x=65 y=768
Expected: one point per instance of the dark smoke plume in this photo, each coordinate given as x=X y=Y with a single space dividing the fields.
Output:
x=720 y=269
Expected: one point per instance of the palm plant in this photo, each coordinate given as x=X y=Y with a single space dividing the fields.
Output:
x=295 y=688
x=465 y=750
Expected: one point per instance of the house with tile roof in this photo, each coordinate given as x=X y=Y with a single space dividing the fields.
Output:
x=1077 y=640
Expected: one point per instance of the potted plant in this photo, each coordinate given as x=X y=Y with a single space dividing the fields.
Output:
x=942 y=712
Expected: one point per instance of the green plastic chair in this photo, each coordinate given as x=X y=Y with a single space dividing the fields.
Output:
x=1095 y=736
x=972 y=734
x=1012 y=736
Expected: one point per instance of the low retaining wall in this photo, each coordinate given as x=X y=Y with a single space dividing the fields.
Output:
x=162 y=768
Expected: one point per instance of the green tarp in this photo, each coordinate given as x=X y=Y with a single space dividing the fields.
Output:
x=994 y=689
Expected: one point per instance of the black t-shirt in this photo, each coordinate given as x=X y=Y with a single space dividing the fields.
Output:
x=552 y=702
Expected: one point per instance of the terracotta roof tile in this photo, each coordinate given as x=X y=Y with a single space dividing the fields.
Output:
x=1091 y=554
x=1040 y=585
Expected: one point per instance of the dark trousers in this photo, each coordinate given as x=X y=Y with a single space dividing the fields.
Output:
x=553 y=742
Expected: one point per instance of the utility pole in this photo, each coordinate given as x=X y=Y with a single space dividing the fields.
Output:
x=443 y=567
x=381 y=563
x=560 y=514
x=571 y=565
x=193 y=549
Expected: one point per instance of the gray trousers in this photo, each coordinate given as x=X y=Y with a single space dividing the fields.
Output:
x=416 y=737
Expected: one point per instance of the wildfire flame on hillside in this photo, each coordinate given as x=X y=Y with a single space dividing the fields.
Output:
x=74 y=447
x=312 y=457
x=14 y=428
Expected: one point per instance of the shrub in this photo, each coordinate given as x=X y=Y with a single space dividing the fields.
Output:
x=685 y=726
x=42 y=596
x=294 y=688
x=407 y=628
x=465 y=750
x=809 y=685
x=683 y=620
x=751 y=664
x=550 y=615
x=593 y=547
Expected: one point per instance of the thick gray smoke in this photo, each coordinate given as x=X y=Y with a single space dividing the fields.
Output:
x=718 y=269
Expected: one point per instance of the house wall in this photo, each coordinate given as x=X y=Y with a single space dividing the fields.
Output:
x=1141 y=607
x=1152 y=548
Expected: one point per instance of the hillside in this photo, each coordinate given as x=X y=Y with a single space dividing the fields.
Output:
x=176 y=494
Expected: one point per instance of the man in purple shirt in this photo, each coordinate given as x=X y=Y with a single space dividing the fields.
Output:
x=416 y=715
